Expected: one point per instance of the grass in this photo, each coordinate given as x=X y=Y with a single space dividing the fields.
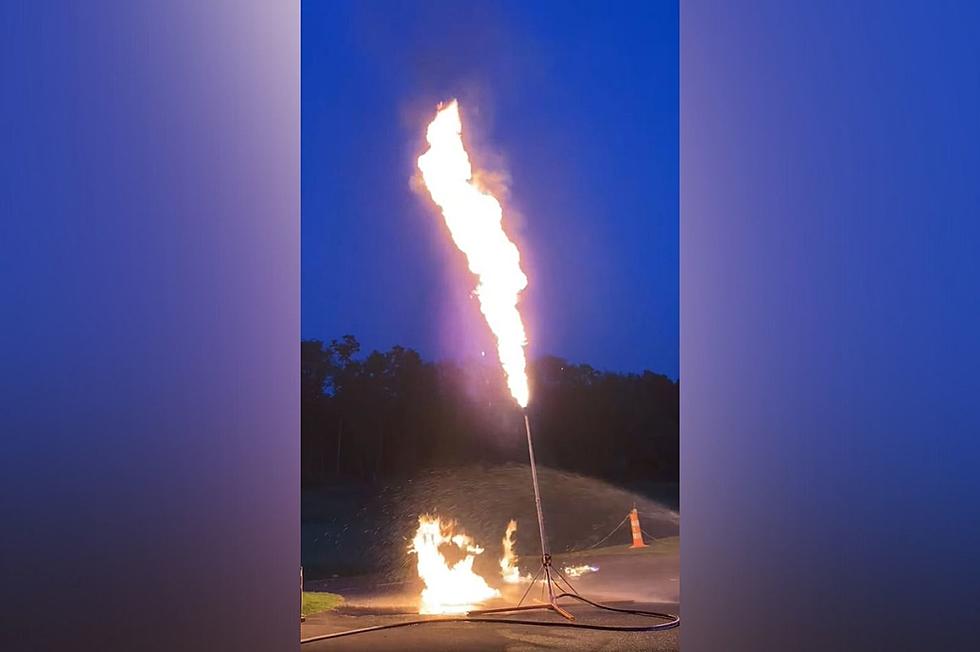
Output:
x=314 y=603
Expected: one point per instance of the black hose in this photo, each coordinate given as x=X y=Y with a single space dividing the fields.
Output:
x=672 y=621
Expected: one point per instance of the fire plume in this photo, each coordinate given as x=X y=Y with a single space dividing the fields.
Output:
x=508 y=563
x=473 y=217
x=448 y=589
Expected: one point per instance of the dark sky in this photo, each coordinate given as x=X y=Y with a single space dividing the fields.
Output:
x=575 y=105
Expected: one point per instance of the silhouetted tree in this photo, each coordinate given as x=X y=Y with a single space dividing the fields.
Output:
x=392 y=414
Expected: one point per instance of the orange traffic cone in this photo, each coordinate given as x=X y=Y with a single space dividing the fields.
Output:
x=635 y=528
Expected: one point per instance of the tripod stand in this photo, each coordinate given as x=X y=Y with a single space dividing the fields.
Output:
x=551 y=574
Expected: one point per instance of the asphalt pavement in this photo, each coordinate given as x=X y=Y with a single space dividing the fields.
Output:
x=646 y=579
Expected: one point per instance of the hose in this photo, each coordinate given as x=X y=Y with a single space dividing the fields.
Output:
x=672 y=621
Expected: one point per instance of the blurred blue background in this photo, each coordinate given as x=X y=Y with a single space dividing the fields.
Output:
x=829 y=320
x=149 y=292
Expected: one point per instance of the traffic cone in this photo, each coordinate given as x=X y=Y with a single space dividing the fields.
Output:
x=635 y=528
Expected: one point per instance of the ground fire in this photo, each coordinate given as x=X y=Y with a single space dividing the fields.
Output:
x=508 y=562
x=448 y=589
x=456 y=588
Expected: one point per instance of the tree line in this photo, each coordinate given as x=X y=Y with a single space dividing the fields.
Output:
x=390 y=414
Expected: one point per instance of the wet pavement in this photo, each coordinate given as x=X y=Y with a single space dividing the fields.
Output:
x=646 y=579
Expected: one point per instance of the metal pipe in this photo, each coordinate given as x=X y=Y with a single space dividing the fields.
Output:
x=545 y=553
x=537 y=492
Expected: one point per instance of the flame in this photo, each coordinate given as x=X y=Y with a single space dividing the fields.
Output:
x=474 y=220
x=448 y=589
x=578 y=571
x=508 y=563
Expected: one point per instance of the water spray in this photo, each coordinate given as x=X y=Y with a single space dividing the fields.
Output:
x=551 y=576
x=547 y=569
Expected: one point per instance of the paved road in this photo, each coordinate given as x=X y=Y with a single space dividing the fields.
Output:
x=480 y=637
x=645 y=580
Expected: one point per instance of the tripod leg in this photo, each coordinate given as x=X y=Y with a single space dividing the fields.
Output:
x=562 y=612
x=553 y=601
x=528 y=589
x=567 y=583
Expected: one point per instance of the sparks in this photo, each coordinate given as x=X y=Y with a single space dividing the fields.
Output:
x=473 y=217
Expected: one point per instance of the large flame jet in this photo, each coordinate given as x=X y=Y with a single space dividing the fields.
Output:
x=473 y=216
